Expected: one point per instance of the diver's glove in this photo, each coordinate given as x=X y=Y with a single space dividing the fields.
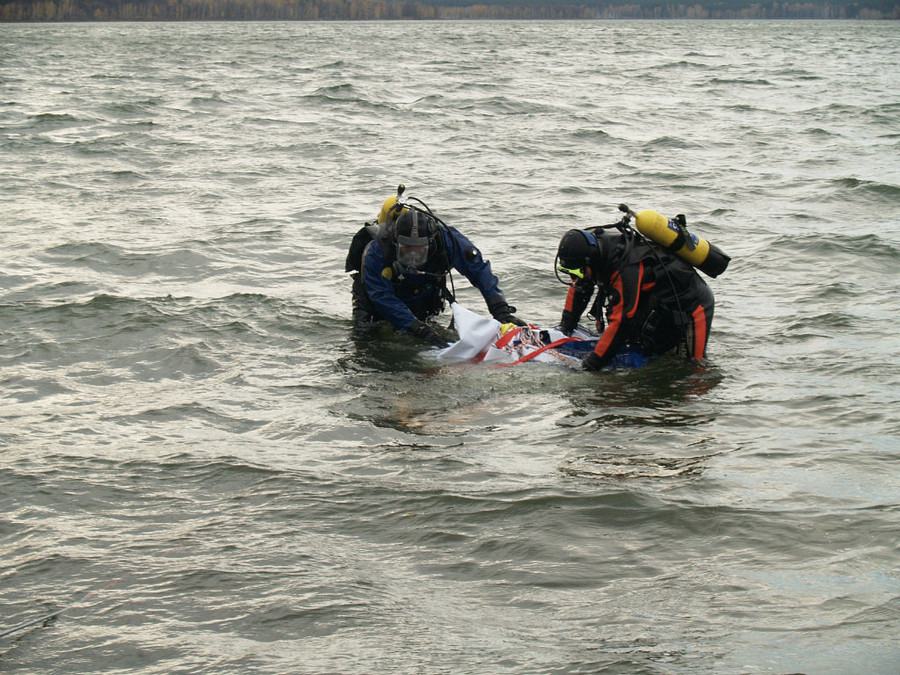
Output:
x=568 y=323
x=425 y=332
x=591 y=362
x=500 y=310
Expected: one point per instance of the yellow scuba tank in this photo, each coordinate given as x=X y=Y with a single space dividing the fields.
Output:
x=672 y=234
x=392 y=206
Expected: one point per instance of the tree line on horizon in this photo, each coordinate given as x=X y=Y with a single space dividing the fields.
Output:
x=362 y=10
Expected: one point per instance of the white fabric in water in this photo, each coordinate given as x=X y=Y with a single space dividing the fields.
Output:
x=480 y=341
x=523 y=342
x=476 y=334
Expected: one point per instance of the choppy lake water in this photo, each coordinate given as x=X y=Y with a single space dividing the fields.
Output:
x=203 y=469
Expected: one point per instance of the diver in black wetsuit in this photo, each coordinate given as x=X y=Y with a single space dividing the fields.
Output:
x=651 y=300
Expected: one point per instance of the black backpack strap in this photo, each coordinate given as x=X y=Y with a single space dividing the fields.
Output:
x=360 y=240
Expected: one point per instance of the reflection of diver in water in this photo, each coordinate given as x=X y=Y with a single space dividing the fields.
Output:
x=649 y=297
x=401 y=267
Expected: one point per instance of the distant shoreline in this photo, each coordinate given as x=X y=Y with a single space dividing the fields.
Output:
x=449 y=20
x=101 y=11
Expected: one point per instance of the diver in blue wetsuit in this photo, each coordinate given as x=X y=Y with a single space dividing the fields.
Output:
x=403 y=275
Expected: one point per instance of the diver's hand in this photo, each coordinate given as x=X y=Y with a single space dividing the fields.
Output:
x=425 y=332
x=501 y=311
x=568 y=323
x=509 y=317
x=591 y=362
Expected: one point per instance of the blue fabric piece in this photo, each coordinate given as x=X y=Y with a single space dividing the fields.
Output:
x=626 y=358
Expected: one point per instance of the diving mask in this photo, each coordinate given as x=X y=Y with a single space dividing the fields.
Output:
x=412 y=251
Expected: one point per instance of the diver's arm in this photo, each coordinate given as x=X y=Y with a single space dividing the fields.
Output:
x=467 y=260
x=465 y=257
x=577 y=299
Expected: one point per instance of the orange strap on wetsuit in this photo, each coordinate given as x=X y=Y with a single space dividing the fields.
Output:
x=625 y=288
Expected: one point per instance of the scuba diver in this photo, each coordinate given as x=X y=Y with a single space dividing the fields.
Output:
x=650 y=298
x=401 y=265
